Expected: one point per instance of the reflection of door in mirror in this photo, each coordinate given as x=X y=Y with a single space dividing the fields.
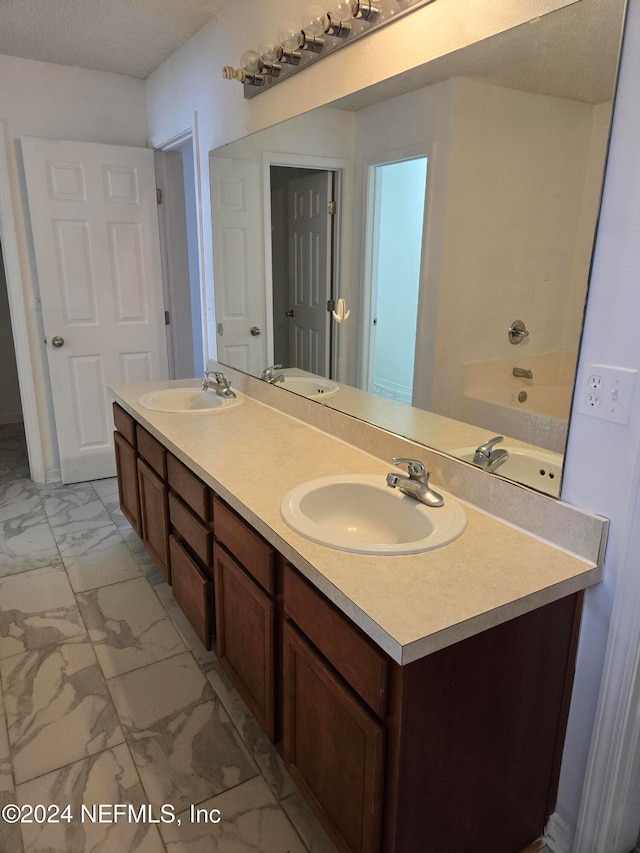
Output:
x=302 y=250
x=397 y=192
x=237 y=250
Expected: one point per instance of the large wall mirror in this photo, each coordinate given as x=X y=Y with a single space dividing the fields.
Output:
x=417 y=255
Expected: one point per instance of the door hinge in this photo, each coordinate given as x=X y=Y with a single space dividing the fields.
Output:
x=158 y=195
x=220 y=329
x=167 y=318
x=332 y=208
x=331 y=304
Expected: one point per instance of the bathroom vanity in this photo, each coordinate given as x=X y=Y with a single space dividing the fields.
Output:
x=418 y=701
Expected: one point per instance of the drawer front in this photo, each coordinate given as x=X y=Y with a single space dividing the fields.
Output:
x=352 y=654
x=192 y=591
x=152 y=451
x=256 y=555
x=124 y=424
x=191 y=489
x=195 y=533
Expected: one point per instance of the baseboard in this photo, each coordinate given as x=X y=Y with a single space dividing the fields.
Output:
x=53 y=475
x=558 y=835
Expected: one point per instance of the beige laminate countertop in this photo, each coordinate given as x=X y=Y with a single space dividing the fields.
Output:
x=410 y=605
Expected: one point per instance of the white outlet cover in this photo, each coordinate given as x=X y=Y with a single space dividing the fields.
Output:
x=615 y=388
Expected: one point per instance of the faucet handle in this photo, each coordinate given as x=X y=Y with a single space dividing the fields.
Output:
x=267 y=373
x=416 y=469
x=485 y=449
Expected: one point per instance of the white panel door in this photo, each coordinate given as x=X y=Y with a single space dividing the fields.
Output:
x=309 y=271
x=238 y=263
x=95 y=232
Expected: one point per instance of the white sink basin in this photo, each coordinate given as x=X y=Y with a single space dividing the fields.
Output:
x=310 y=386
x=361 y=513
x=540 y=469
x=187 y=400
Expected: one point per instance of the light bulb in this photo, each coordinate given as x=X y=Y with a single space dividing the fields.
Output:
x=343 y=10
x=251 y=62
x=315 y=21
x=290 y=36
x=270 y=50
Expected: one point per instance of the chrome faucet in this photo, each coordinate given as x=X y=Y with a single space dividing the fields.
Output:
x=486 y=455
x=522 y=373
x=268 y=375
x=416 y=485
x=219 y=383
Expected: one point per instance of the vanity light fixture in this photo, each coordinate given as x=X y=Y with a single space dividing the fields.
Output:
x=321 y=32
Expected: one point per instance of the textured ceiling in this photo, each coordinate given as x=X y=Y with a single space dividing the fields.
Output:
x=128 y=37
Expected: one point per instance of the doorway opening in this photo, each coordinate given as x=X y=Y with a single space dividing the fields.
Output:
x=302 y=266
x=395 y=227
x=175 y=171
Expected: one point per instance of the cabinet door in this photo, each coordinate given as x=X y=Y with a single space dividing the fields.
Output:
x=333 y=747
x=192 y=591
x=127 y=481
x=245 y=636
x=154 y=513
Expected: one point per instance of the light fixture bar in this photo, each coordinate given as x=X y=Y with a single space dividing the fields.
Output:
x=322 y=32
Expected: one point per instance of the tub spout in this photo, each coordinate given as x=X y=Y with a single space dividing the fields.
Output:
x=522 y=373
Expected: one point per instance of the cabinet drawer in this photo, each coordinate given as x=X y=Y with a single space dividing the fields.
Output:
x=192 y=591
x=256 y=555
x=152 y=451
x=355 y=657
x=191 y=489
x=124 y=424
x=195 y=533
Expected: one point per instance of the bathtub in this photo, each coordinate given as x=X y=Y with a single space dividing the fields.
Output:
x=541 y=419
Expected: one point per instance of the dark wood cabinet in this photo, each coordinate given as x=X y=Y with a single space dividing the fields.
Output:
x=154 y=515
x=127 y=471
x=245 y=639
x=457 y=751
x=333 y=747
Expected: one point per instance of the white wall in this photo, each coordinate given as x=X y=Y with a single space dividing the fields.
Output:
x=58 y=102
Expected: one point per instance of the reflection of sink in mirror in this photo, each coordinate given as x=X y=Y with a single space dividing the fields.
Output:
x=540 y=469
x=181 y=400
x=360 y=513
x=308 y=385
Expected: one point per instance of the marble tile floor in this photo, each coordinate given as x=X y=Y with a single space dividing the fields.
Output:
x=108 y=697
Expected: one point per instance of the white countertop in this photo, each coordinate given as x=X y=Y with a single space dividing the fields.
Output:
x=410 y=605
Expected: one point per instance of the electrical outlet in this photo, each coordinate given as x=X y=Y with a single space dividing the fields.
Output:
x=607 y=393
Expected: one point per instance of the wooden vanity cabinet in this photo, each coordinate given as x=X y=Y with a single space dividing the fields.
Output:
x=457 y=751
x=244 y=572
x=124 y=439
x=191 y=547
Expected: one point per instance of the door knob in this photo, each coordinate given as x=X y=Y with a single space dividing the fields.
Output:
x=291 y=313
x=255 y=331
x=57 y=341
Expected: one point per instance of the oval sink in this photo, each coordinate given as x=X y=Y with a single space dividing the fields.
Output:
x=540 y=469
x=310 y=386
x=361 y=513
x=187 y=400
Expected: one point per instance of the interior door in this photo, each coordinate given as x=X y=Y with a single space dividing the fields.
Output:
x=238 y=263
x=95 y=233
x=310 y=271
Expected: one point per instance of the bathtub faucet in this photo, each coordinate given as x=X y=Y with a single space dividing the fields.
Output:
x=522 y=373
x=486 y=455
